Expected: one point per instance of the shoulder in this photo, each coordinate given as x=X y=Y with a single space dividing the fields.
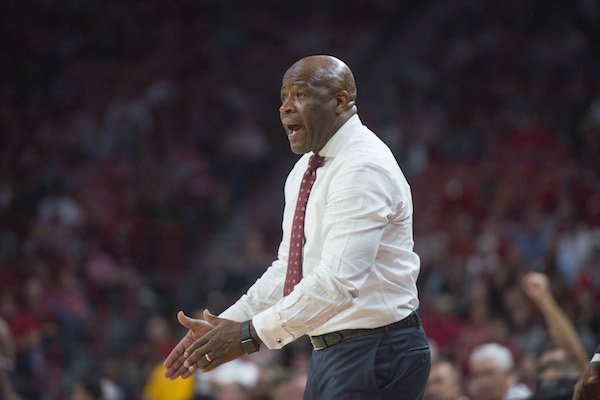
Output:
x=365 y=149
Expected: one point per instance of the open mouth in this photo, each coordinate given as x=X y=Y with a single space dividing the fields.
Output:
x=293 y=130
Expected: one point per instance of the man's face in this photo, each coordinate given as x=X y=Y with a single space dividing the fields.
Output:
x=487 y=381
x=442 y=383
x=308 y=110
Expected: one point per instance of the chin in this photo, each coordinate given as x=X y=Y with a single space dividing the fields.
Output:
x=298 y=150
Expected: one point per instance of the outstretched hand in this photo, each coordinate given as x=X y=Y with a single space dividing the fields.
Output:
x=197 y=328
x=221 y=344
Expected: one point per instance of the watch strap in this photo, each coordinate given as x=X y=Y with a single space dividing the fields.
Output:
x=248 y=343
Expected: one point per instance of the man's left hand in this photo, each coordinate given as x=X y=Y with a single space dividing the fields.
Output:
x=223 y=343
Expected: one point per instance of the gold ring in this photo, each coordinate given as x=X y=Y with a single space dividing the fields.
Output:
x=207 y=358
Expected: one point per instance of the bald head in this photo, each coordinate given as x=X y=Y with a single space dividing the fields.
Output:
x=318 y=96
x=325 y=71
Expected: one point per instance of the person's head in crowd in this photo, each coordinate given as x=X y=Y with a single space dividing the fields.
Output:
x=230 y=391
x=492 y=375
x=556 y=374
x=318 y=95
x=289 y=386
x=444 y=383
x=553 y=361
x=88 y=387
x=91 y=384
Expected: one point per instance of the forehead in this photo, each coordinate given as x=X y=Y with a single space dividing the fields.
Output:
x=299 y=78
x=294 y=84
x=304 y=74
x=485 y=365
x=309 y=84
x=441 y=369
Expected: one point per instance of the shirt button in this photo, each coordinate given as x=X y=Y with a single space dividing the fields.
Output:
x=279 y=340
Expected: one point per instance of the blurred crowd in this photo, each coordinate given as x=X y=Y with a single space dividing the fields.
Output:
x=142 y=164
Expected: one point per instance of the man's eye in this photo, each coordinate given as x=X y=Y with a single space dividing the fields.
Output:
x=300 y=95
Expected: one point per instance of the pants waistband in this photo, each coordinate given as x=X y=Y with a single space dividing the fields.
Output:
x=321 y=342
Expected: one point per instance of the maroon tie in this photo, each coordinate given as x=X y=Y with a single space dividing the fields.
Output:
x=294 y=269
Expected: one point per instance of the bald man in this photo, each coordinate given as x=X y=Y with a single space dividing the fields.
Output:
x=346 y=271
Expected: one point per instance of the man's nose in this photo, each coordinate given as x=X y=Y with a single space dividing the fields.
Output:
x=286 y=107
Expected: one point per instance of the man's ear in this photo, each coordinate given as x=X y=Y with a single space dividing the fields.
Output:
x=341 y=101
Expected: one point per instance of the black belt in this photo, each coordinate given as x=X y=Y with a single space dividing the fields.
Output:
x=329 y=339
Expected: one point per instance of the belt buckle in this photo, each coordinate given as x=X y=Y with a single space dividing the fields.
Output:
x=318 y=343
x=327 y=340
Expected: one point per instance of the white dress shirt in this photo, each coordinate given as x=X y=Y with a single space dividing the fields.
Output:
x=359 y=267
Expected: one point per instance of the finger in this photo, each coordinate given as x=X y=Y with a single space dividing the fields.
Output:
x=174 y=356
x=197 y=357
x=210 y=318
x=198 y=326
x=187 y=373
x=181 y=371
x=212 y=365
x=186 y=321
x=200 y=364
x=175 y=371
x=174 y=366
x=195 y=346
x=203 y=363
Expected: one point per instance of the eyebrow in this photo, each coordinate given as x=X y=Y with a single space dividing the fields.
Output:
x=295 y=83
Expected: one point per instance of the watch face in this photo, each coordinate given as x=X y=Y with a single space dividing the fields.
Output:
x=248 y=343
x=249 y=346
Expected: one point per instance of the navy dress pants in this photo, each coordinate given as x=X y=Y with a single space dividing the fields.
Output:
x=390 y=364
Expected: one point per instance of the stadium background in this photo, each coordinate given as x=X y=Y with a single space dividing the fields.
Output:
x=142 y=164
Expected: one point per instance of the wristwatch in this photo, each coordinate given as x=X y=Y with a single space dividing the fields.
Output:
x=248 y=343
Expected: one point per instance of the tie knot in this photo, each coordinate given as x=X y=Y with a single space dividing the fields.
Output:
x=315 y=161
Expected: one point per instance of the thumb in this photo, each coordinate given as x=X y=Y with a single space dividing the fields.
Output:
x=210 y=318
x=186 y=321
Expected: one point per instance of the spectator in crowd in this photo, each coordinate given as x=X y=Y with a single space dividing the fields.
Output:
x=93 y=385
x=536 y=286
x=555 y=374
x=559 y=368
x=492 y=374
x=88 y=388
x=120 y=155
x=289 y=388
x=350 y=274
x=158 y=387
x=445 y=382
x=7 y=354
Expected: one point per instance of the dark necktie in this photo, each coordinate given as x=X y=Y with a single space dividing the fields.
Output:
x=294 y=269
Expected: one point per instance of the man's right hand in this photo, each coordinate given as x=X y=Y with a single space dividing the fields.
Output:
x=174 y=361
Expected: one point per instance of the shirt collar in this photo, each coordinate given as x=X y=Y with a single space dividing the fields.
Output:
x=340 y=138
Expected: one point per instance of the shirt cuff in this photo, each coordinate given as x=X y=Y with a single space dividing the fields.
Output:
x=269 y=329
x=235 y=313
